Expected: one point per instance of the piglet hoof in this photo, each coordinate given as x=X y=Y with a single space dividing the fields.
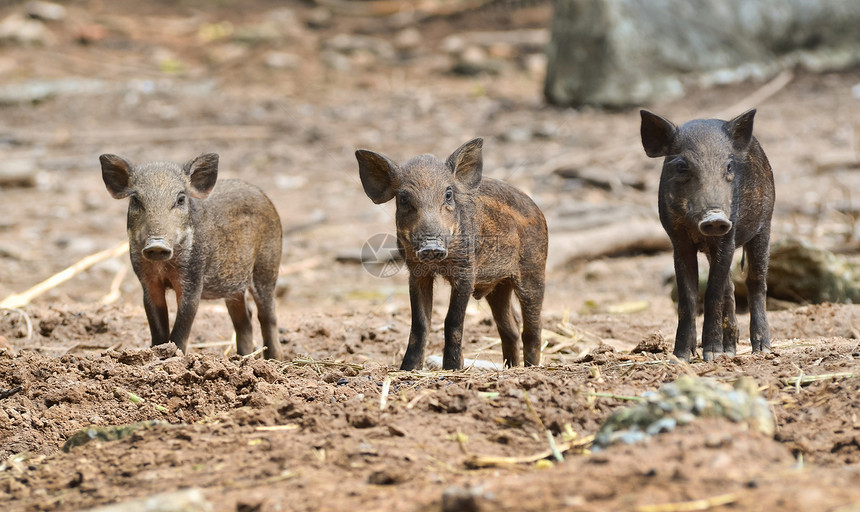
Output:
x=684 y=357
x=709 y=355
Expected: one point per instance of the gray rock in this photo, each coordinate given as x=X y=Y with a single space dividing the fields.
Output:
x=19 y=29
x=350 y=44
x=282 y=60
x=46 y=11
x=186 y=500
x=629 y=52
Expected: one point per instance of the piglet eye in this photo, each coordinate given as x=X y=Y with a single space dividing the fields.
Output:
x=449 y=195
x=403 y=199
x=180 y=200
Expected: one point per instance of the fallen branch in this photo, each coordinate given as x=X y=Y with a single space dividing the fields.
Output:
x=758 y=96
x=22 y=299
x=478 y=462
x=687 y=506
x=629 y=235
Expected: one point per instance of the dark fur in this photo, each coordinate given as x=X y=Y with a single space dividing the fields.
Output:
x=489 y=240
x=203 y=246
x=714 y=166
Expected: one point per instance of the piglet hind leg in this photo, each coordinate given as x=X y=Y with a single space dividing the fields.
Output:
x=237 y=306
x=263 y=292
x=530 y=294
x=758 y=250
x=730 y=321
x=503 y=314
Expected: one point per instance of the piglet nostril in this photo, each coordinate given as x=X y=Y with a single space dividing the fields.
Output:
x=432 y=250
x=715 y=224
x=157 y=249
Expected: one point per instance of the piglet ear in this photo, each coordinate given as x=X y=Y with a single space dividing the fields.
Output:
x=203 y=172
x=740 y=130
x=467 y=163
x=377 y=173
x=115 y=173
x=657 y=134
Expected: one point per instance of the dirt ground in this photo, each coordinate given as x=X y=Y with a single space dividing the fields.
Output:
x=285 y=94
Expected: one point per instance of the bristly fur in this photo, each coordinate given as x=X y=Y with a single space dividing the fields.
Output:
x=484 y=237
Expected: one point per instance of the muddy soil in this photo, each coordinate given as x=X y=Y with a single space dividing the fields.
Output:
x=285 y=95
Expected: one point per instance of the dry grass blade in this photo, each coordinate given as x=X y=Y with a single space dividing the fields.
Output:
x=803 y=380
x=479 y=462
x=687 y=506
x=277 y=428
x=570 y=337
x=22 y=299
x=325 y=364
x=254 y=353
x=420 y=396
x=383 y=397
x=26 y=318
x=617 y=397
x=114 y=293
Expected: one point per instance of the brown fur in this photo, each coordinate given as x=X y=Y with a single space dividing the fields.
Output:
x=201 y=245
x=716 y=194
x=484 y=237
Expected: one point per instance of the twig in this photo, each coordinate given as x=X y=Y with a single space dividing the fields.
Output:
x=22 y=299
x=556 y=453
x=638 y=363
x=210 y=344
x=758 y=96
x=254 y=353
x=311 y=362
x=617 y=397
x=477 y=462
x=276 y=428
x=383 y=397
x=802 y=380
x=531 y=409
x=26 y=318
x=6 y=393
x=300 y=266
x=687 y=506
x=420 y=396
x=114 y=293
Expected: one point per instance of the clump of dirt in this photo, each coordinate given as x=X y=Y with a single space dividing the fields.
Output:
x=285 y=92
